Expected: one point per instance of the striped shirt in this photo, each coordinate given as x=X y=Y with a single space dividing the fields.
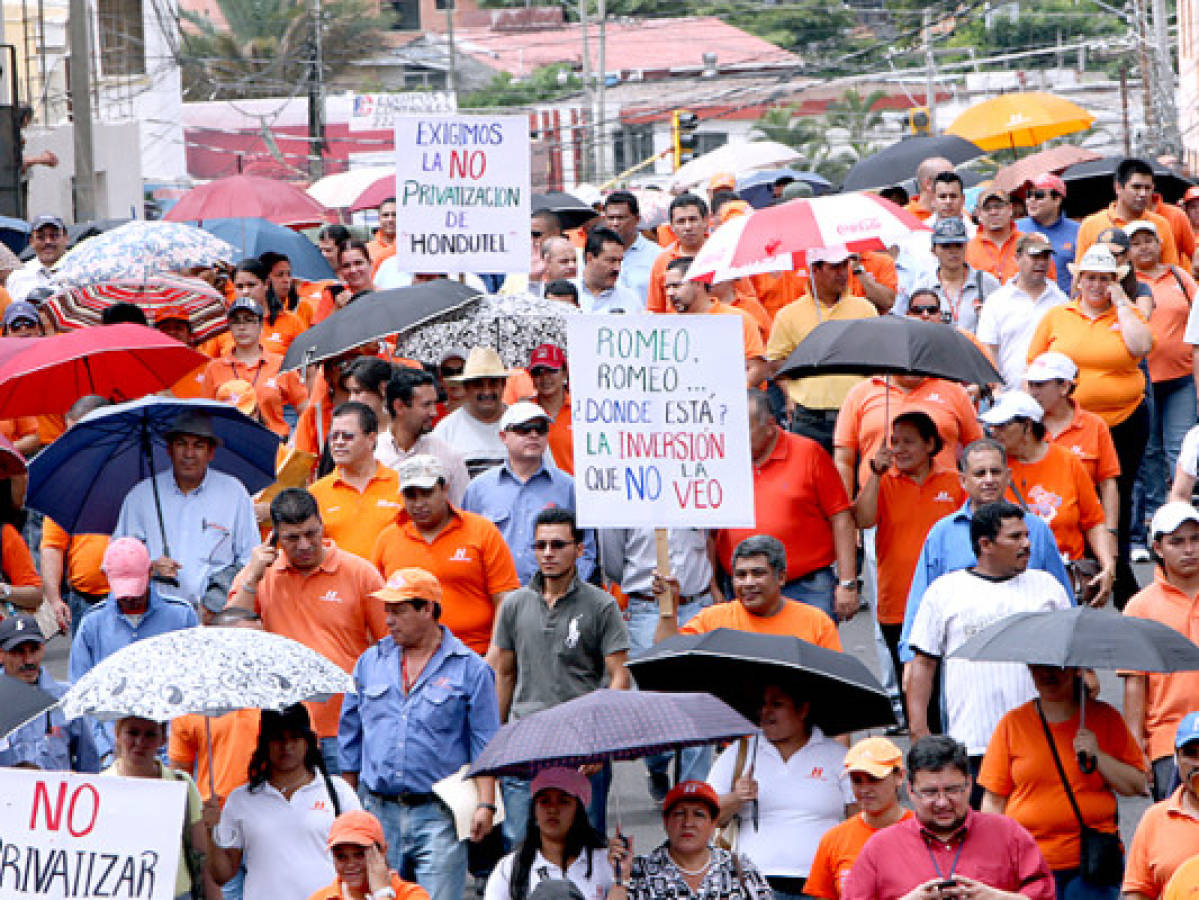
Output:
x=955 y=608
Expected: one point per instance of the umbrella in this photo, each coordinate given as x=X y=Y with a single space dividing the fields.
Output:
x=377 y=315
x=253 y=237
x=1056 y=159
x=736 y=665
x=48 y=374
x=856 y=221
x=382 y=188
x=713 y=263
x=1021 y=119
x=340 y=190
x=606 y=725
x=899 y=161
x=757 y=189
x=895 y=345
x=14 y=233
x=20 y=702
x=744 y=156
x=572 y=211
x=80 y=480
x=82 y=231
x=138 y=249
x=83 y=306
x=8 y=259
x=1089 y=185
x=248 y=196
x=514 y=325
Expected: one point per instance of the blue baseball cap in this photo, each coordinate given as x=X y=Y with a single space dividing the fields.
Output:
x=18 y=310
x=1188 y=730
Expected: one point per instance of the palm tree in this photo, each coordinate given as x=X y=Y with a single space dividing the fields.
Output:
x=808 y=135
x=859 y=116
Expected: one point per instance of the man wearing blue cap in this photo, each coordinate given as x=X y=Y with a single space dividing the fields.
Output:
x=48 y=237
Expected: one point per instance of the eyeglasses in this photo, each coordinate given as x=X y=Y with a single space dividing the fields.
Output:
x=552 y=545
x=1041 y=195
x=335 y=436
x=924 y=310
x=948 y=792
x=536 y=234
x=538 y=371
x=530 y=428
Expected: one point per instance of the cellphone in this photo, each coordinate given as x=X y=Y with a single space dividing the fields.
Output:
x=273 y=539
x=946 y=884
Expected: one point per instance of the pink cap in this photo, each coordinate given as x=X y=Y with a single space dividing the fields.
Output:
x=127 y=564
x=568 y=781
x=1191 y=194
x=1050 y=182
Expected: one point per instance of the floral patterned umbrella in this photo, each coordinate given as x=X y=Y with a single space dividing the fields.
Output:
x=209 y=671
x=139 y=248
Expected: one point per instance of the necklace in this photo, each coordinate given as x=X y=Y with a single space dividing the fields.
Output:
x=287 y=789
x=692 y=872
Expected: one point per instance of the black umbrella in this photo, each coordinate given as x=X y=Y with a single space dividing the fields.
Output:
x=899 y=161
x=1089 y=185
x=736 y=665
x=20 y=702
x=377 y=315
x=889 y=345
x=572 y=211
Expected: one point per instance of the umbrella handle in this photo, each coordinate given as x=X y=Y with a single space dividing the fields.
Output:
x=208 y=748
x=1087 y=763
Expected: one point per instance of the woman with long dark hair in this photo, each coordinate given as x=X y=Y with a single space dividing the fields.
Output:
x=277 y=823
x=252 y=278
x=560 y=842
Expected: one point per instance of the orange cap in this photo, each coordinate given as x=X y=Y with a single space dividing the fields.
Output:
x=166 y=312
x=722 y=181
x=876 y=756
x=410 y=584
x=1191 y=194
x=240 y=394
x=734 y=208
x=356 y=827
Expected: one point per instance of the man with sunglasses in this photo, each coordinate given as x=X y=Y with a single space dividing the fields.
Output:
x=556 y=639
x=1044 y=198
x=511 y=494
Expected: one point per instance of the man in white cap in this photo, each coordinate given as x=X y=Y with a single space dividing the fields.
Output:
x=512 y=493
x=1011 y=313
x=474 y=428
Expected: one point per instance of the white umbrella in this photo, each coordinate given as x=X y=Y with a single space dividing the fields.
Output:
x=341 y=190
x=714 y=262
x=747 y=156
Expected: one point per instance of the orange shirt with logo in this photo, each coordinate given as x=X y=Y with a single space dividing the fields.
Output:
x=836 y=853
x=1060 y=492
x=1088 y=438
x=353 y=519
x=794 y=619
x=1096 y=223
x=234 y=737
x=82 y=553
x=272 y=387
x=278 y=335
x=1166 y=837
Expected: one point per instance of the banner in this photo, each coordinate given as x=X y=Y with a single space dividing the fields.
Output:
x=462 y=194
x=377 y=112
x=89 y=836
x=659 y=414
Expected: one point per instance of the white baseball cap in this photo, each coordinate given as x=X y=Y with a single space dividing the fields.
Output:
x=1051 y=366
x=521 y=413
x=830 y=255
x=1013 y=405
x=1171 y=516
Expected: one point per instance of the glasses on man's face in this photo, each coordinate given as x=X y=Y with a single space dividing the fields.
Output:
x=1040 y=195
x=924 y=310
x=451 y=371
x=538 y=371
x=950 y=791
x=337 y=436
x=556 y=544
x=530 y=428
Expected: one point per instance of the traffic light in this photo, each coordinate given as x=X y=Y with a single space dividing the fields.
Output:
x=918 y=120
x=682 y=129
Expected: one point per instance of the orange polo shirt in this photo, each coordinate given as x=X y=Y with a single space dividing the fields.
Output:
x=745 y=300
x=775 y=290
x=657 y=302
x=234 y=737
x=1088 y=438
x=1094 y=224
x=16 y=563
x=1058 y=489
x=562 y=441
x=20 y=427
x=353 y=519
x=1168 y=695
x=191 y=385
x=1166 y=837
x=82 y=554
x=50 y=427
x=755 y=348
x=836 y=853
x=881 y=268
x=1110 y=383
x=379 y=248
x=918 y=209
x=984 y=254
x=907 y=511
x=1171 y=356
x=1180 y=227
x=794 y=619
x=329 y=610
x=272 y=387
x=469 y=558
x=277 y=337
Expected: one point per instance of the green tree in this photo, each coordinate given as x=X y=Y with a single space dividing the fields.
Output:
x=544 y=83
x=858 y=115
x=808 y=135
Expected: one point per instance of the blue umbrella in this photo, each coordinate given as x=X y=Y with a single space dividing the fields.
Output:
x=757 y=188
x=81 y=479
x=253 y=237
x=14 y=233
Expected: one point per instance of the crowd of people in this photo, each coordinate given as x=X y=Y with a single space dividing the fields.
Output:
x=433 y=553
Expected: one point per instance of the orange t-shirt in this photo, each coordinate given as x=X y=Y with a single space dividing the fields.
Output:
x=272 y=387
x=794 y=619
x=1184 y=883
x=82 y=553
x=15 y=560
x=277 y=338
x=329 y=610
x=404 y=890
x=746 y=301
x=1166 y=837
x=562 y=441
x=50 y=428
x=750 y=334
x=1058 y=489
x=469 y=558
x=1110 y=383
x=1088 y=438
x=984 y=254
x=918 y=209
x=775 y=290
x=1180 y=228
x=191 y=385
x=20 y=427
x=907 y=512
x=1096 y=223
x=656 y=301
x=881 y=268
x=862 y=426
x=836 y=853
x=1019 y=765
x=1168 y=695
x=234 y=737
x=518 y=386
x=1171 y=356
x=354 y=519
x=216 y=346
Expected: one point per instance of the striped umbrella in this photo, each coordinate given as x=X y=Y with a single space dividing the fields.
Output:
x=159 y=296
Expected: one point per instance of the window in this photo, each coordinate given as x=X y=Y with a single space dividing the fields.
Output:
x=122 y=37
x=633 y=143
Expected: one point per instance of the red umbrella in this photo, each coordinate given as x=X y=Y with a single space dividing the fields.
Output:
x=379 y=191
x=246 y=197
x=121 y=362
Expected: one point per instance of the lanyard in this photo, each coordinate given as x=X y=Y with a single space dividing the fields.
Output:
x=257 y=370
x=936 y=865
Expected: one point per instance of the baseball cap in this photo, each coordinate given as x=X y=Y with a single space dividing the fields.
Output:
x=521 y=412
x=238 y=393
x=169 y=311
x=18 y=310
x=1192 y=193
x=1170 y=517
x=949 y=231
x=1188 y=730
x=991 y=192
x=1051 y=366
x=828 y=255
x=568 y=781
x=1013 y=405
x=421 y=471
x=876 y=756
x=691 y=790
x=245 y=304
x=17 y=630
x=725 y=181
x=1049 y=182
x=1114 y=236
x=409 y=584
x=1097 y=259
x=1034 y=244
x=47 y=219
x=549 y=356
x=127 y=564
x=1137 y=225
x=356 y=827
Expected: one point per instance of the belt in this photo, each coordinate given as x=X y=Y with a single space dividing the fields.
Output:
x=404 y=798
x=92 y=599
x=684 y=598
x=827 y=415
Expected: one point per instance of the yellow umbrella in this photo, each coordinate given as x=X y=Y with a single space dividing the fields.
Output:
x=1020 y=120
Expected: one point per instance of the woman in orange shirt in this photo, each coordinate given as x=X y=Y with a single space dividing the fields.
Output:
x=252 y=279
x=282 y=293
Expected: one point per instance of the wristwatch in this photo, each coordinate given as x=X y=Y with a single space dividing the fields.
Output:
x=850 y=584
x=5 y=591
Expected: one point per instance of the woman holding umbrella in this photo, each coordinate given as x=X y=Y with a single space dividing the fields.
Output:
x=1093 y=756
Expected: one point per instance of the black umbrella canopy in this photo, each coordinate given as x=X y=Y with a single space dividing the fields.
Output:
x=889 y=345
x=1090 y=188
x=736 y=665
x=570 y=209
x=899 y=161
x=20 y=702
x=377 y=315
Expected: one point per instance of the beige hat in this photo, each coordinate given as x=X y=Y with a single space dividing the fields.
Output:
x=481 y=362
x=421 y=471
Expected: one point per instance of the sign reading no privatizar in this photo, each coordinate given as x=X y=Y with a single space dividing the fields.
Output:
x=88 y=836
x=462 y=192
x=658 y=410
x=377 y=112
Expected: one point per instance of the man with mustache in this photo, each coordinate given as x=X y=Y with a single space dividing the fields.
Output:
x=473 y=429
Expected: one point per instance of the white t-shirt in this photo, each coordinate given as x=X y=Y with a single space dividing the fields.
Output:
x=594 y=887
x=798 y=801
x=476 y=441
x=1188 y=453
x=955 y=608
x=1008 y=320
x=283 y=842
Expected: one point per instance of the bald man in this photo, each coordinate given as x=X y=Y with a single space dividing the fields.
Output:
x=922 y=204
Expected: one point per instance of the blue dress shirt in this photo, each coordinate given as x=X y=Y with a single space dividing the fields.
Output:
x=635 y=268
x=1063 y=236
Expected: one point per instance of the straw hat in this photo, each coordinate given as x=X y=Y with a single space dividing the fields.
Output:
x=481 y=362
x=1098 y=259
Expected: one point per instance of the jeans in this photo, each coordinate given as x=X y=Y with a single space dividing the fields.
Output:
x=232 y=889
x=1172 y=413
x=422 y=844
x=79 y=605
x=518 y=805
x=1071 y=887
x=817 y=424
x=329 y=751
x=815 y=589
x=1129 y=437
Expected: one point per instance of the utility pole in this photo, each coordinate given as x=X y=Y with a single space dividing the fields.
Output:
x=1140 y=34
x=588 y=100
x=930 y=72
x=81 y=113
x=601 y=133
x=1124 y=108
x=316 y=98
x=1169 y=140
x=451 y=75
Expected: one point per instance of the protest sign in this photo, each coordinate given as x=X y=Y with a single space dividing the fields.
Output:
x=658 y=410
x=462 y=192
x=84 y=836
x=377 y=112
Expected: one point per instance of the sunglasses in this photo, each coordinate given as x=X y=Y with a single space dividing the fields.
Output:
x=552 y=545
x=1041 y=195
x=538 y=371
x=530 y=428
x=536 y=234
x=452 y=371
x=924 y=310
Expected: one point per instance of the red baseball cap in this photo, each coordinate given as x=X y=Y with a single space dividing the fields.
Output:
x=698 y=791
x=1050 y=182
x=549 y=356
x=1191 y=194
